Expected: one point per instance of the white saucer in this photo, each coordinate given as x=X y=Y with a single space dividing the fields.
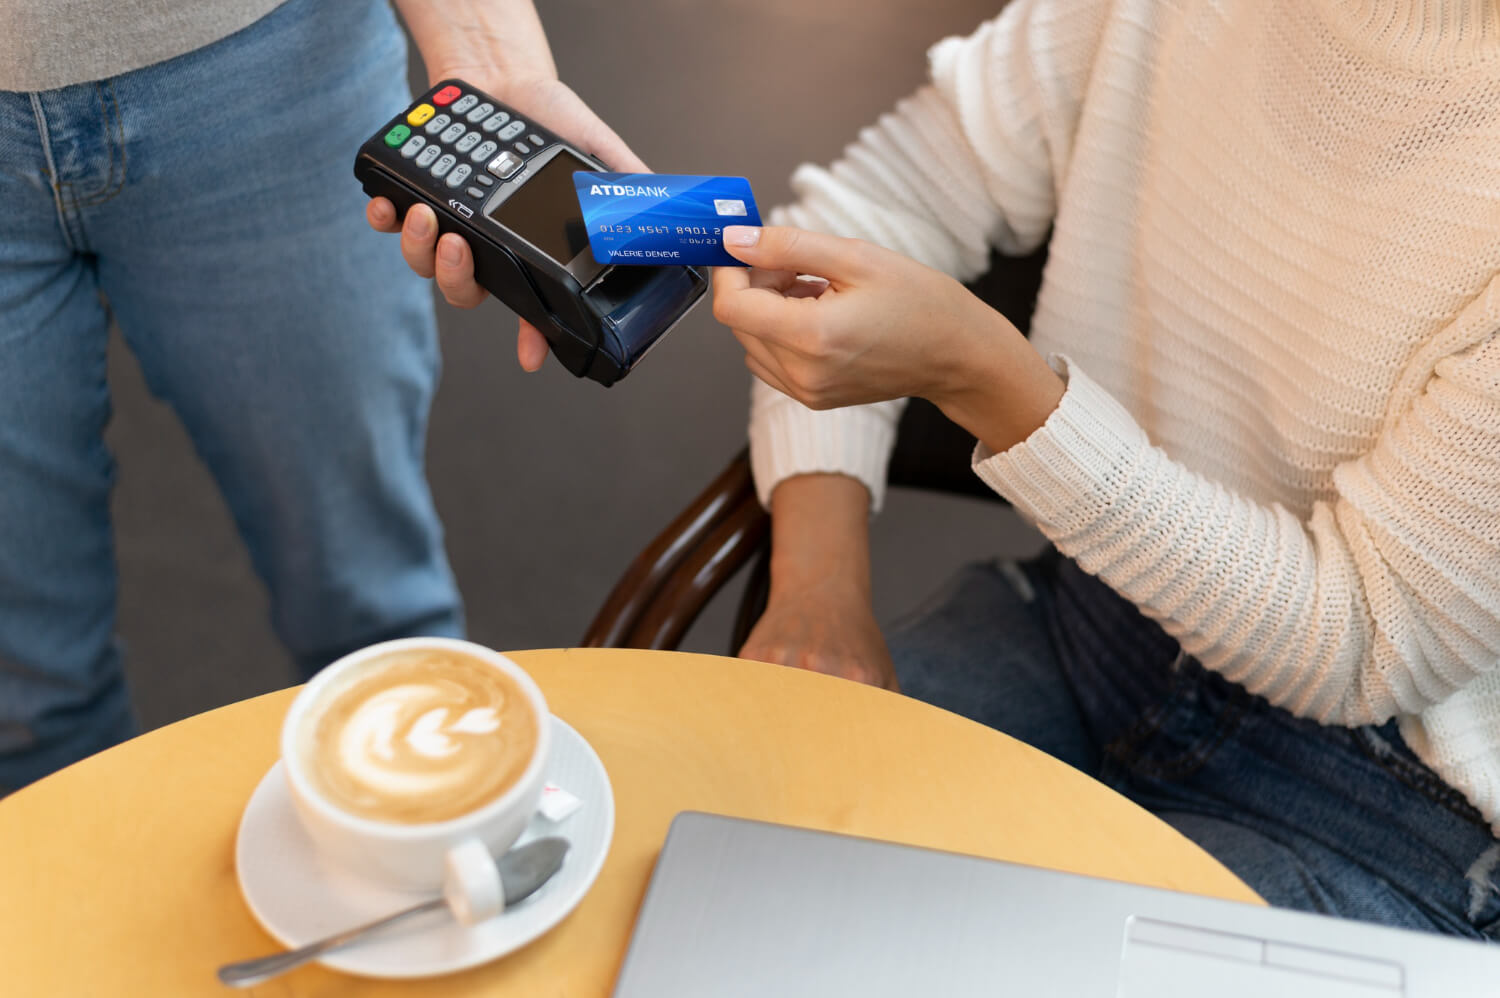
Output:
x=298 y=898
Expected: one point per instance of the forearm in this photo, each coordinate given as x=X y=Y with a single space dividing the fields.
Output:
x=1346 y=616
x=820 y=535
x=818 y=616
x=482 y=38
x=911 y=182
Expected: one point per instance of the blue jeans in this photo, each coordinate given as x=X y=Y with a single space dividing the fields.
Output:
x=1336 y=820
x=207 y=203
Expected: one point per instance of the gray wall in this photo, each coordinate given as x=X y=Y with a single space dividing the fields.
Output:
x=549 y=485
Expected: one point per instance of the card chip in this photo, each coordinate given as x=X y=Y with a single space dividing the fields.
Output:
x=729 y=206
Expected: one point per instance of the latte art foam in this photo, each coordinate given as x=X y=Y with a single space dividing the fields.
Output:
x=421 y=737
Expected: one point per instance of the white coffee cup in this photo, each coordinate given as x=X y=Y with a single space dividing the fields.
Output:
x=455 y=855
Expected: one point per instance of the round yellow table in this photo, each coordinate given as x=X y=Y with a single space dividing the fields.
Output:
x=117 y=874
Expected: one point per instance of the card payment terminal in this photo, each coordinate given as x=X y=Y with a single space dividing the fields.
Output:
x=505 y=184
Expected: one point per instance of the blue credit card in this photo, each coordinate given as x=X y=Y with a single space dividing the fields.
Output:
x=662 y=219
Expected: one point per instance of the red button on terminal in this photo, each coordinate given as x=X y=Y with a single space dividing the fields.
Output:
x=446 y=96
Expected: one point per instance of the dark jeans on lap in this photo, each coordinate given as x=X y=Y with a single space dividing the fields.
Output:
x=1345 y=821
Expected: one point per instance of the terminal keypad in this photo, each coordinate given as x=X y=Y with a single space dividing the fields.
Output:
x=461 y=139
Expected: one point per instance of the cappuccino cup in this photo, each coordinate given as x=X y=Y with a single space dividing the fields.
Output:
x=414 y=763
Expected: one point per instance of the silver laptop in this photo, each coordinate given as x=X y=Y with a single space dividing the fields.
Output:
x=743 y=908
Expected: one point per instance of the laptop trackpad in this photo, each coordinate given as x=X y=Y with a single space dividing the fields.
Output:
x=1166 y=960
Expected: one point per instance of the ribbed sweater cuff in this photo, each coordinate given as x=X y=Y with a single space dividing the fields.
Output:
x=788 y=440
x=1068 y=472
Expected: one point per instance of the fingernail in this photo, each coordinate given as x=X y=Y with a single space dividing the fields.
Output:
x=421 y=223
x=448 y=250
x=741 y=235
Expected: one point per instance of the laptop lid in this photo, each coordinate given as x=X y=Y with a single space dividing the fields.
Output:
x=743 y=908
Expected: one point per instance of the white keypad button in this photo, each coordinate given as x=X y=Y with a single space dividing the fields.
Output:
x=505 y=164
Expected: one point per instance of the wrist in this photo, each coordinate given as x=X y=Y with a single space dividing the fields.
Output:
x=1003 y=390
x=501 y=78
x=487 y=42
x=845 y=578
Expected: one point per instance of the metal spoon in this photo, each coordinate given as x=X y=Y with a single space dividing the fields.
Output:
x=522 y=872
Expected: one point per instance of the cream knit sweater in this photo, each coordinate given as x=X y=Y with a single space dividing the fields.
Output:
x=1274 y=289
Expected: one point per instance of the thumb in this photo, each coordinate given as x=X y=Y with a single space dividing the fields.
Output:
x=781 y=247
x=531 y=347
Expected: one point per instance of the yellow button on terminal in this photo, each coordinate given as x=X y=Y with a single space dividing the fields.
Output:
x=420 y=114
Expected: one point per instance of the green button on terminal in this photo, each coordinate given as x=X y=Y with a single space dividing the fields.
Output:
x=397 y=135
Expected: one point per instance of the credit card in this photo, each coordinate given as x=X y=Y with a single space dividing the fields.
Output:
x=661 y=219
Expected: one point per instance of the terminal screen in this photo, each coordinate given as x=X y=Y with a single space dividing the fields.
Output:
x=544 y=211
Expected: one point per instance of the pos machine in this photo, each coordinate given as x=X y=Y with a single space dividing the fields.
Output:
x=505 y=184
